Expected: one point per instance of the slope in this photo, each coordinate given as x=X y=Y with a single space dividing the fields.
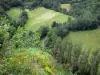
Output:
x=39 y=16
x=89 y=39
x=42 y=16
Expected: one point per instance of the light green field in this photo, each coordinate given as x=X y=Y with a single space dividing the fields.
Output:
x=42 y=16
x=89 y=39
x=66 y=6
x=14 y=13
x=38 y=17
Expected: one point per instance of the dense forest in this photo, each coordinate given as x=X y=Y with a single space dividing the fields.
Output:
x=45 y=49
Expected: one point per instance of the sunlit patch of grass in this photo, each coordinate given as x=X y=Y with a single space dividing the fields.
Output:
x=66 y=6
x=14 y=13
x=89 y=39
x=39 y=16
x=42 y=16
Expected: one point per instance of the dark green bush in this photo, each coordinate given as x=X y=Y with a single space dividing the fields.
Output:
x=43 y=31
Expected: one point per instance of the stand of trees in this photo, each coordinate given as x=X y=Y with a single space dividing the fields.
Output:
x=75 y=59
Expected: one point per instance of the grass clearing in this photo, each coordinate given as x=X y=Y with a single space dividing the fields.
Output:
x=14 y=13
x=38 y=17
x=89 y=39
x=66 y=6
x=42 y=16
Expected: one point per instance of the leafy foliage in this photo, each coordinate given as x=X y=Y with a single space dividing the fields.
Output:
x=43 y=31
x=28 y=61
x=24 y=38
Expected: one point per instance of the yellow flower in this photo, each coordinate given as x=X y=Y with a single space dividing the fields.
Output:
x=48 y=69
x=19 y=63
x=11 y=59
x=25 y=57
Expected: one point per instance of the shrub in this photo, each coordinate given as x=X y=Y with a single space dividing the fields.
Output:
x=54 y=24
x=43 y=31
x=25 y=38
x=95 y=61
x=62 y=31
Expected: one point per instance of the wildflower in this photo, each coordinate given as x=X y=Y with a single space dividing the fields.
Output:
x=19 y=63
x=11 y=59
x=25 y=57
x=48 y=69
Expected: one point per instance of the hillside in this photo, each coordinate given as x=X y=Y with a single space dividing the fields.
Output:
x=36 y=61
x=40 y=16
x=89 y=39
x=49 y=37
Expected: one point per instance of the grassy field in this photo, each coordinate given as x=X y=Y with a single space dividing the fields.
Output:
x=14 y=13
x=38 y=17
x=89 y=39
x=66 y=6
x=42 y=16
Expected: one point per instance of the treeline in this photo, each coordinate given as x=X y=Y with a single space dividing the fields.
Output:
x=87 y=9
x=50 y=4
x=62 y=29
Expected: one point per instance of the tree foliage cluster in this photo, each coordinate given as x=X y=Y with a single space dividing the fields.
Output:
x=58 y=28
x=86 y=10
x=24 y=38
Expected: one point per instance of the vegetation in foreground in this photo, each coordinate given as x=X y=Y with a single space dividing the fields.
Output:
x=21 y=51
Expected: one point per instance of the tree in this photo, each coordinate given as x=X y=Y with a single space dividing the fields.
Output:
x=83 y=63
x=43 y=31
x=54 y=24
x=57 y=50
x=67 y=49
x=76 y=51
x=95 y=61
x=61 y=31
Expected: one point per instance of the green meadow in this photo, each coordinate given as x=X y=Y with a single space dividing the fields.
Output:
x=40 y=16
x=89 y=39
x=66 y=6
x=14 y=13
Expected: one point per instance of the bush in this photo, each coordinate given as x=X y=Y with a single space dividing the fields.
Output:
x=62 y=31
x=54 y=24
x=43 y=31
x=25 y=38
